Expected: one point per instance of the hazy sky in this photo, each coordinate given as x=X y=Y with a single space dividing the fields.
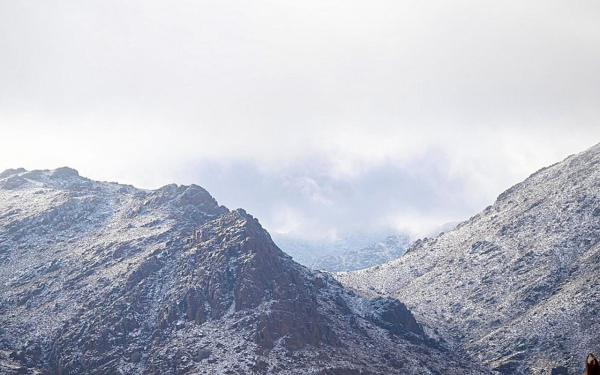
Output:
x=318 y=117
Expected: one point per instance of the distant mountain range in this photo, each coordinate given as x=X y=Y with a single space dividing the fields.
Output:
x=351 y=252
x=517 y=285
x=101 y=278
x=377 y=253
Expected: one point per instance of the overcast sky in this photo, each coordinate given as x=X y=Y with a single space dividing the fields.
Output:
x=318 y=117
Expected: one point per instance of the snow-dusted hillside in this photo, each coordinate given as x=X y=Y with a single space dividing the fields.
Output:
x=102 y=278
x=516 y=285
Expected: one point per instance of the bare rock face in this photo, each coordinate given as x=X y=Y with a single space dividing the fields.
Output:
x=516 y=284
x=235 y=267
x=100 y=278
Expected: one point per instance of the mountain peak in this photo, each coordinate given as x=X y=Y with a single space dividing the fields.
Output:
x=11 y=172
x=64 y=172
x=12 y=179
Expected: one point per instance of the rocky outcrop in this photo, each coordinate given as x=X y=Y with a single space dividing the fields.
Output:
x=235 y=267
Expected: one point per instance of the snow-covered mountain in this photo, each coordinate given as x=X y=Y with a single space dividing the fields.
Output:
x=378 y=253
x=102 y=278
x=349 y=252
x=516 y=285
x=309 y=251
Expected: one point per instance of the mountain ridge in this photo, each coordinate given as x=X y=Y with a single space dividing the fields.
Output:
x=102 y=278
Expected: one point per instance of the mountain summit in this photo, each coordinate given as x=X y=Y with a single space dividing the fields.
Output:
x=516 y=285
x=102 y=278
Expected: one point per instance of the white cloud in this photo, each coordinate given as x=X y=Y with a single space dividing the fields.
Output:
x=328 y=94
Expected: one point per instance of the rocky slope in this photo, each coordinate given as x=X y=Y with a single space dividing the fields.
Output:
x=516 y=285
x=102 y=278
